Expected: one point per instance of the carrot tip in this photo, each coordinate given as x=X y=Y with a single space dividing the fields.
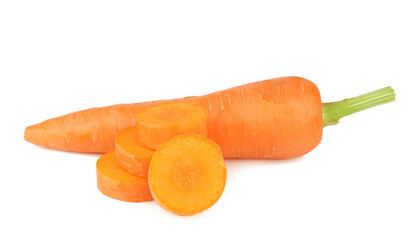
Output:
x=30 y=134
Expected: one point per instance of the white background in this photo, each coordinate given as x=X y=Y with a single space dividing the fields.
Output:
x=58 y=57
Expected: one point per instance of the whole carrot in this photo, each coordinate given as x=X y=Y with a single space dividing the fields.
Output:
x=276 y=118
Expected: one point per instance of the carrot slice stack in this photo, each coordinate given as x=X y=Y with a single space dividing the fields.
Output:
x=159 y=123
x=187 y=174
x=131 y=154
x=115 y=182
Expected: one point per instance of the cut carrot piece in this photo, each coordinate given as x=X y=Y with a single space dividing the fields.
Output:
x=115 y=182
x=131 y=155
x=187 y=174
x=159 y=123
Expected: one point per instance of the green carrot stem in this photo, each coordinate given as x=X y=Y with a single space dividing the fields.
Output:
x=333 y=111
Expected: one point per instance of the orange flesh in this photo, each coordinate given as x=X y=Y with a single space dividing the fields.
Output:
x=187 y=174
x=115 y=182
x=159 y=123
x=130 y=153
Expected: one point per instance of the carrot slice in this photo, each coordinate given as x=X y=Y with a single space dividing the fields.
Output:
x=115 y=182
x=187 y=174
x=159 y=123
x=131 y=155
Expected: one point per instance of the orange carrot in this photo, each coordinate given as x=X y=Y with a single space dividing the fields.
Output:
x=159 y=123
x=187 y=174
x=130 y=153
x=275 y=118
x=115 y=182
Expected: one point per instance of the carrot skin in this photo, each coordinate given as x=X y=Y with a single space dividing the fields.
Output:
x=274 y=119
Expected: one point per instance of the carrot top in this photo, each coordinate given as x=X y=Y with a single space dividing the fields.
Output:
x=333 y=111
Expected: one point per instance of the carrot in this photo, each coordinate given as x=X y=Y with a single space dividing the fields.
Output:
x=130 y=153
x=187 y=174
x=115 y=182
x=275 y=118
x=159 y=123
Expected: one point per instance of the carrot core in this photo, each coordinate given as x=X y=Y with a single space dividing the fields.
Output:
x=187 y=174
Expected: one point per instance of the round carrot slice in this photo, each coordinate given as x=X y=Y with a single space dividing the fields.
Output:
x=159 y=123
x=130 y=153
x=187 y=174
x=115 y=182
